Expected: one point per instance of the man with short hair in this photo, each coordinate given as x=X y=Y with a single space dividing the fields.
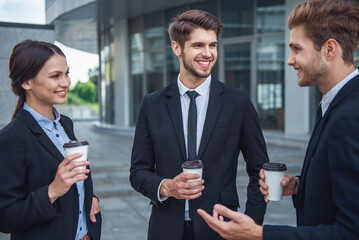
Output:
x=196 y=117
x=324 y=36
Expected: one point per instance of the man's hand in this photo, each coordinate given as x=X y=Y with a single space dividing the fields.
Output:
x=179 y=188
x=95 y=208
x=240 y=227
x=290 y=185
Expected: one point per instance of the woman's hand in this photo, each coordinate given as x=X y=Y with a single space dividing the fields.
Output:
x=65 y=176
x=95 y=208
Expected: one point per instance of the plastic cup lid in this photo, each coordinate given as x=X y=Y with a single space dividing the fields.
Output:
x=192 y=164
x=75 y=144
x=275 y=167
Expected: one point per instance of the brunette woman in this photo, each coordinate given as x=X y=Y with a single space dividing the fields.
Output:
x=40 y=195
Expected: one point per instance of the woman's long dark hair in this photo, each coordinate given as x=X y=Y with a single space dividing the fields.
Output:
x=26 y=61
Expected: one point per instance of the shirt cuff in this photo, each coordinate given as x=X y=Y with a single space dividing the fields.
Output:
x=160 y=198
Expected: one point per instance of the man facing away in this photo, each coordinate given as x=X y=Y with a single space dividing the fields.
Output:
x=225 y=124
x=324 y=36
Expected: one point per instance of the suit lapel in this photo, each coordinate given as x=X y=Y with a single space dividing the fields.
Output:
x=174 y=108
x=41 y=136
x=313 y=142
x=214 y=107
x=68 y=128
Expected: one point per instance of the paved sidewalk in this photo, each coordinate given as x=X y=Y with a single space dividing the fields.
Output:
x=125 y=212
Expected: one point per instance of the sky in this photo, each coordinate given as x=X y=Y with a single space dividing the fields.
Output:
x=33 y=11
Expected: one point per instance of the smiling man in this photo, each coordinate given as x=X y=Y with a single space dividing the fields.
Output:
x=195 y=117
x=324 y=36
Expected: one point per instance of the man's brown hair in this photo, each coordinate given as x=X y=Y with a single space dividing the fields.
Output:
x=183 y=24
x=325 y=19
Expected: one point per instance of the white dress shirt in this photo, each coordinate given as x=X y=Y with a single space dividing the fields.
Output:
x=202 y=105
x=329 y=96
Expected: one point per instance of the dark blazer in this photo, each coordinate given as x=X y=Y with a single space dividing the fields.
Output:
x=28 y=164
x=231 y=126
x=327 y=200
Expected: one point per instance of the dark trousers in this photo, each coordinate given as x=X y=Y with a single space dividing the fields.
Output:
x=188 y=232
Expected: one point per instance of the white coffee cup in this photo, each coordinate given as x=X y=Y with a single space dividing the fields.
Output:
x=77 y=147
x=195 y=167
x=274 y=173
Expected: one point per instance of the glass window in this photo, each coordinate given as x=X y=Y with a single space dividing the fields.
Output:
x=270 y=81
x=107 y=76
x=237 y=17
x=270 y=16
x=154 y=70
x=137 y=62
x=169 y=15
x=154 y=31
x=237 y=65
x=172 y=66
x=208 y=6
x=356 y=58
x=136 y=34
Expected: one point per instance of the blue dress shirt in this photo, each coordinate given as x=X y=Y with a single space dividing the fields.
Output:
x=58 y=136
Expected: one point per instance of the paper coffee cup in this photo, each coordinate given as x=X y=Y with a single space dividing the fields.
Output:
x=193 y=167
x=274 y=173
x=77 y=147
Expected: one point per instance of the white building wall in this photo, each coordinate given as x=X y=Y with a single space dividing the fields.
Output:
x=297 y=104
x=10 y=35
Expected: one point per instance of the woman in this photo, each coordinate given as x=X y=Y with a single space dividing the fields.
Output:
x=40 y=195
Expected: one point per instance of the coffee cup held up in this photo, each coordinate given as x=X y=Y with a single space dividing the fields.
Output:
x=195 y=167
x=274 y=173
x=77 y=147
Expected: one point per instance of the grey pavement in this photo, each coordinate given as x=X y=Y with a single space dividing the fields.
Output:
x=125 y=212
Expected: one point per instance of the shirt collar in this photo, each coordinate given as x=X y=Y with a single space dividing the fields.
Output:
x=329 y=96
x=43 y=121
x=201 y=89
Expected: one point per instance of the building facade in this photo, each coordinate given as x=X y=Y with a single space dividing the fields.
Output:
x=11 y=34
x=136 y=58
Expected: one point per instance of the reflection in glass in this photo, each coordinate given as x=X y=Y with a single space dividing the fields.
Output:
x=137 y=42
x=270 y=16
x=107 y=76
x=270 y=81
x=173 y=66
x=154 y=70
x=237 y=65
x=137 y=95
x=137 y=60
x=154 y=31
x=169 y=15
x=207 y=6
x=237 y=17
x=356 y=58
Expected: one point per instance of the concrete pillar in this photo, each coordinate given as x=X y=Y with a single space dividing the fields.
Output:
x=10 y=35
x=121 y=78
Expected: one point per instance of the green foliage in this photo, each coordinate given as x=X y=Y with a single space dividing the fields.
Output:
x=84 y=93
x=93 y=75
x=87 y=91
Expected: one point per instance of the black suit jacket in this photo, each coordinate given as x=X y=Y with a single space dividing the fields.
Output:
x=327 y=200
x=28 y=164
x=231 y=126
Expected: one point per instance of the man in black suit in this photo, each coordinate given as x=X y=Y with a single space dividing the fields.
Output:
x=324 y=37
x=225 y=123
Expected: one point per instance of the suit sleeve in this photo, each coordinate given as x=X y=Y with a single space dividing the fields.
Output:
x=343 y=162
x=142 y=173
x=20 y=210
x=255 y=155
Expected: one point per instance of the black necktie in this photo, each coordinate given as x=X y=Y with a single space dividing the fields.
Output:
x=192 y=126
x=318 y=117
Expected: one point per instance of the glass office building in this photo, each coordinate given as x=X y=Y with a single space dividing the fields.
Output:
x=136 y=56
